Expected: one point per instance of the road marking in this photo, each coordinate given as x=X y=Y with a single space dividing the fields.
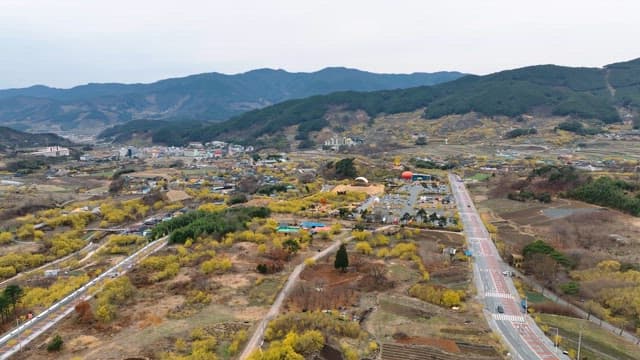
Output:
x=505 y=317
x=499 y=295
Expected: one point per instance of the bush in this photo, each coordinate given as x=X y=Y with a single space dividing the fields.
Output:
x=55 y=344
x=553 y=308
x=262 y=268
x=437 y=295
x=364 y=247
x=570 y=288
x=219 y=265
x=520 y=132
x=237 y=199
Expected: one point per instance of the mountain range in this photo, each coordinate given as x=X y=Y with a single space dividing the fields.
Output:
x=209 y=96
x=598 y=95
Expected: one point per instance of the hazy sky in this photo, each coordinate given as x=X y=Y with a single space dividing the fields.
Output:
x=64 y=43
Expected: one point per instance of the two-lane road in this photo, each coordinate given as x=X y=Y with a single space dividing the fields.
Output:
x=497 y=291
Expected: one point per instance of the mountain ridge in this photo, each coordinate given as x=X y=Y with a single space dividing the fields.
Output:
x=205 y=96
x=546 y=90
x=15 y=139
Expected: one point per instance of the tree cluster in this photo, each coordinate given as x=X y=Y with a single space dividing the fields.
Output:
x=541 y=247
x=520 y=132
x=609 y=192
x=195 y=223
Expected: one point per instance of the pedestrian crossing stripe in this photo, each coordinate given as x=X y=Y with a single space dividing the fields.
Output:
x=505 y=317
x=499 y=295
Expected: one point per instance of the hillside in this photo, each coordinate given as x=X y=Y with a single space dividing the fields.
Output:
x=546 y=90
x=210 y=96
x=13 y=139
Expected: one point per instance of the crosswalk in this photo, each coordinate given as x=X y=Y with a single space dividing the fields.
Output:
x=505 y=317
x=499 y=295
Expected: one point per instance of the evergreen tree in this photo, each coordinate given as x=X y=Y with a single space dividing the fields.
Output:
x=13 y=293
x=342 y=258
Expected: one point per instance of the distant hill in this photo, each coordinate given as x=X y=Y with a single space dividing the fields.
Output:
x=14 y=139
x=583 y=93
x=210 y=96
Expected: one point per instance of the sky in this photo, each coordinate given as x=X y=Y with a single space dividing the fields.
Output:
x=64 y=43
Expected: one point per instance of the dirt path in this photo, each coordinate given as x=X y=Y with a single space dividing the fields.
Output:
x=257 y=338
x=611 y=89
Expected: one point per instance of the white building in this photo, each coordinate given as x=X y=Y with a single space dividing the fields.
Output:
x=337 y=141
x=52 y=151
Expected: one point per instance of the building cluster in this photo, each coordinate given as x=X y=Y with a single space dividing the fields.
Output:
x=335 y=143
x=210 y=150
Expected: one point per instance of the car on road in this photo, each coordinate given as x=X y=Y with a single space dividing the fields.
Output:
x=508 y=273
x=500 y=309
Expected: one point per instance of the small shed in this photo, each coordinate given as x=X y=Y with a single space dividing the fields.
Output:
x=517 y=260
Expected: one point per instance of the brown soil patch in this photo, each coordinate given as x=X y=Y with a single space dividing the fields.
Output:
x=150 y=311
x=164 y=173
x=258 y=202
x=251 y=313
x=83 y=342
x=478 y=198
x=27 y=247
x=177 y=195
x=442 y=344
x=233 y=281
x=369 y=190
x=328 y=275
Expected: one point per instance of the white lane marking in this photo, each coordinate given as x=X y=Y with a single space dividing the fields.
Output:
x=499 y=295
x=505 y=317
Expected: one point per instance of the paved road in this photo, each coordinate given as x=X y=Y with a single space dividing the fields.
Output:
x=258 y=335
x=518 y=330
x=21 y=336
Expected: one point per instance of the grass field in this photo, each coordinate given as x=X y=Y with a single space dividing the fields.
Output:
x=535 y=297
x=597 y=343
x=480 y=177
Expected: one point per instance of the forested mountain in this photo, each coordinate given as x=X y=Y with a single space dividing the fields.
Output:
x=583 y=93
x=13 y=139
x=210 y=96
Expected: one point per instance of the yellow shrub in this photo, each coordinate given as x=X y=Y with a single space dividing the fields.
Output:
x=404 y=250
x=5 y=237
x=219 y=265
x=364 y=247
